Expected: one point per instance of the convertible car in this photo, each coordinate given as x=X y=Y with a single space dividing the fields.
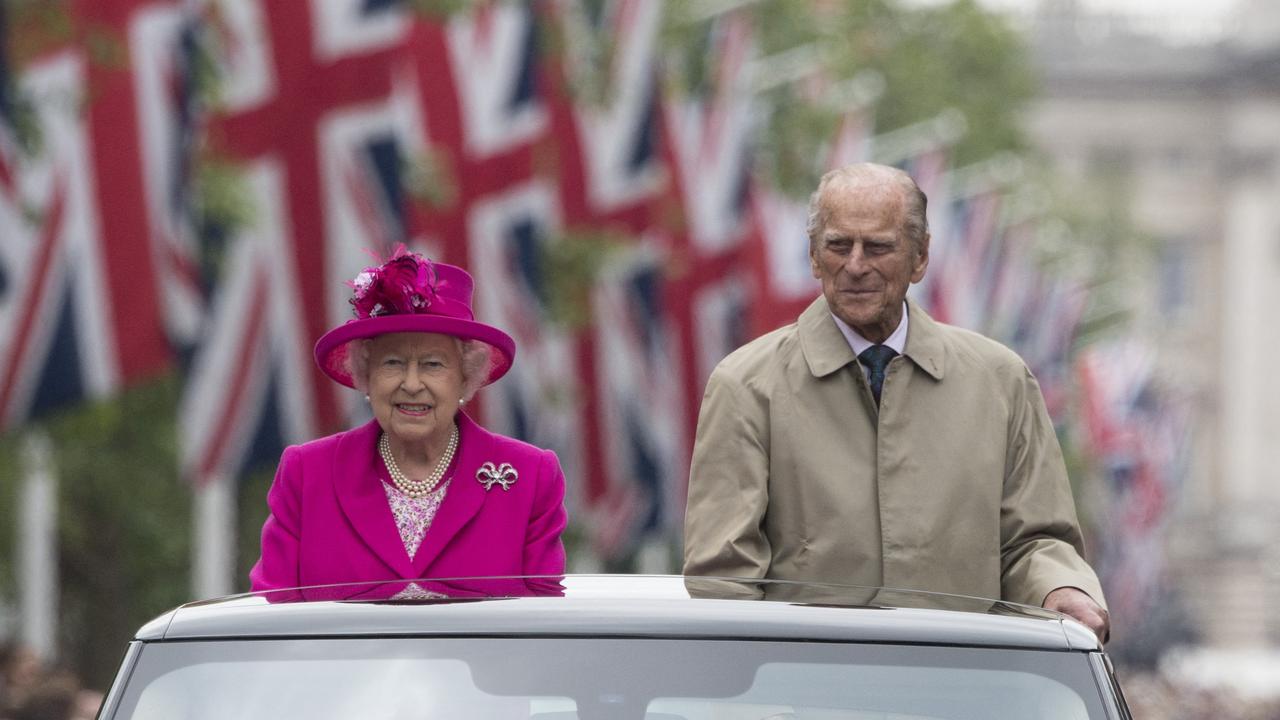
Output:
x=612 y=647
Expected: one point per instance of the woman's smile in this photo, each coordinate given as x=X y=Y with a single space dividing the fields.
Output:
x=413 y=409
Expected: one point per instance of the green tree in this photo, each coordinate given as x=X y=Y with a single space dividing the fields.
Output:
x=123 y=521
x=933 y=58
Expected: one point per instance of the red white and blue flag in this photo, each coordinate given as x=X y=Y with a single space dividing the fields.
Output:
x=641 y=401
x=347 y=126
x=711 y=130
x=164 y=41
x=246 y=393
x=321 y=111
x=74 y=310
x=539 y=400
x=619 y=132
x=494 y=60
x=1137 y=438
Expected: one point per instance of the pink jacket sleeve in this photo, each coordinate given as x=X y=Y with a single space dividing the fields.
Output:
x=277 y=567
x=543 y=551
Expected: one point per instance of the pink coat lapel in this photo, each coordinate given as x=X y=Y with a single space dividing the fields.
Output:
x=463 y=499
x=357 y=474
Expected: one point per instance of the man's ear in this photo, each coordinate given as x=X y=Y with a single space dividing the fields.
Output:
x=922 y=260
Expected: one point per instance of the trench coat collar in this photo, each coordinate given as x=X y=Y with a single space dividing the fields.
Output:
x=357 y=480
x=826 y=350
x=924 y=342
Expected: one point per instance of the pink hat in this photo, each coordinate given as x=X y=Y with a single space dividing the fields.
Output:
x=409 y=293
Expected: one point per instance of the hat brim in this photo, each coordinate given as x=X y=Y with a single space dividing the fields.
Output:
x=332 y=350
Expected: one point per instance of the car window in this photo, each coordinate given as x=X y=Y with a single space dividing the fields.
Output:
x=394 y=689
x=602 y=679
x=802 y=691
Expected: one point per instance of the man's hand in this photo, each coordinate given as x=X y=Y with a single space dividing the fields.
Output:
x=1077 y=603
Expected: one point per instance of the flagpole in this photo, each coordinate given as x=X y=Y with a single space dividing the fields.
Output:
x=654 y=556
x=38 y=547
x=214 y=549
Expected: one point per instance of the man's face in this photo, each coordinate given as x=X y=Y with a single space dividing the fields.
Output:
x=863 y=258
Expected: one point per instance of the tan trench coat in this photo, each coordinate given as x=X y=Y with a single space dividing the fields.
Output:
x=960 y=487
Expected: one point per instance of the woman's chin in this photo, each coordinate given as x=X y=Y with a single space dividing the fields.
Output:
x=403 y=432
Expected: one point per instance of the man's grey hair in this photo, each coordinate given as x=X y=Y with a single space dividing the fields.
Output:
x=477 y=361
x=915 y=224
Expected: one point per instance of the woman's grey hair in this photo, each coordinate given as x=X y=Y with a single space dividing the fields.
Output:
x=477 y=362
x=915 y=224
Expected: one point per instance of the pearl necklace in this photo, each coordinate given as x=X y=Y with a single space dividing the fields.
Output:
x=417 y=488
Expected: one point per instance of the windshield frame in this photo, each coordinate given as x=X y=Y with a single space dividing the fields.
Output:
x=152 y=660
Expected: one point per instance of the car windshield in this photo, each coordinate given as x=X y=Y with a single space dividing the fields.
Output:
x=624 y=679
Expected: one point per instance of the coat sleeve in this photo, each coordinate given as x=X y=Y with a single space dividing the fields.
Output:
x=1041 y=544
x=277 y=567
x=543 y=549
x=728 y=484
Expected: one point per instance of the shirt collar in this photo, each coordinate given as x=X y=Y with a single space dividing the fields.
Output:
x=826 y=350
x=896 y=340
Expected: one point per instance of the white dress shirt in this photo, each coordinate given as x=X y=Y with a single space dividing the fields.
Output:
x=896 y=340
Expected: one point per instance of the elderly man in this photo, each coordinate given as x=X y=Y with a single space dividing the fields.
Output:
x=869 y=444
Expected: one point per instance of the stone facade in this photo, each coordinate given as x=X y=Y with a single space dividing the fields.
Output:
x=1190 y=132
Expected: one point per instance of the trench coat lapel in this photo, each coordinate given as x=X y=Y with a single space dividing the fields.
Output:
x=825 y=348
x=357 y=475
x=464 y=497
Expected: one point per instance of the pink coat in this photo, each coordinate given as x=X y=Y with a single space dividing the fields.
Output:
x=330 y=520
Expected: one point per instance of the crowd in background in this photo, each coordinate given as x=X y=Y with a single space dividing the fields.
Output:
x=30 y=689
x=1153 y=696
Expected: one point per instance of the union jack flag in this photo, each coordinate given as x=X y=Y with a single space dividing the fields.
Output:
x=494 y=58
x=711 y=131
x=964 y=259
x=364 y=150
x=8 y=139
x=1138 y=439
x=68 y=306
x=163 y=42
x=247 y=394
x=642 y=404
x=324 y=110
x=1013 y=284
x=510 y=236
x=509 y=213
x=619 y=133
x=354 y=125
x=350 y=28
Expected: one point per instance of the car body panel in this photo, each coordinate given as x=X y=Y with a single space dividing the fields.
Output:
x=632 y=606
x=612 y=647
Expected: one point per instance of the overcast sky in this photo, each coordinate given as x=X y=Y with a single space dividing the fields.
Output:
x=1204 y=9
x=1194 y=20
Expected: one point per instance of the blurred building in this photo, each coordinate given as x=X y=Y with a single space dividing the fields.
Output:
x=1183 y=123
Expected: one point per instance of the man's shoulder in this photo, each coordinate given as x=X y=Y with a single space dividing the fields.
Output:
x=973 y=350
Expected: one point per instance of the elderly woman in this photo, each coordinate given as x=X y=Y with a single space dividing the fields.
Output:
x=421 y=490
